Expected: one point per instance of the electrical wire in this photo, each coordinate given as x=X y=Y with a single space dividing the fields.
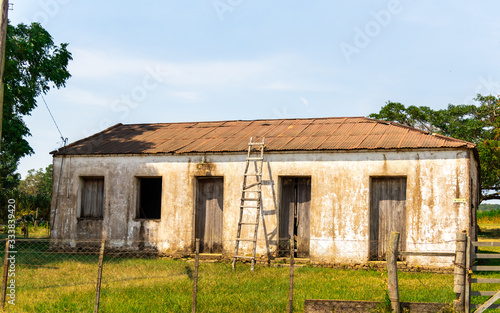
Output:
x=64 y=142
x=64 y=139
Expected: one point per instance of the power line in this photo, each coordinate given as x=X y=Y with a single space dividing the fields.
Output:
x=64 y=139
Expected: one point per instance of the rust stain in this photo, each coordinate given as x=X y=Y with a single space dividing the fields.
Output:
x=205 y=169
x=353 y=133
x=417 y=197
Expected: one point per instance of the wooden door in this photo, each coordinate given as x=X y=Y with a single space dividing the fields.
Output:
x=295 y=215
x=387 y=214
x=209 y=214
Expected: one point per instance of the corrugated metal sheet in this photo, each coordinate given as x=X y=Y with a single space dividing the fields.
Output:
x=352 y=133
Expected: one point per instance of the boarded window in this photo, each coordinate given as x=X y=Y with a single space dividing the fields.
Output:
x=149 y=202
x=387 y=214
x=92 y=201
x=209 y=214
x=295 y=215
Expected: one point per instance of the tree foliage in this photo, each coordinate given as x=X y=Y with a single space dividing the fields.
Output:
x=34 y=193
x=33 y=65
x=479 y=124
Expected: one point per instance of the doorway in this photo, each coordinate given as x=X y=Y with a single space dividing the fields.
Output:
x=295 y=216
x=387 y=214
x=209 y=214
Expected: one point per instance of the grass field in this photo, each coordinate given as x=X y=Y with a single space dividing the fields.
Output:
x=149 y=285
x=50 y=282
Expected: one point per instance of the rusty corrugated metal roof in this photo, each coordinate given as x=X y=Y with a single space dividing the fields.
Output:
x=351 y=133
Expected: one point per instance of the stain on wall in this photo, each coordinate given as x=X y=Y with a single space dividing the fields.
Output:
x=340 y=199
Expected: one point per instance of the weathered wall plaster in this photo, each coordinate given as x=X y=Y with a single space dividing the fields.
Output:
x=339 y=209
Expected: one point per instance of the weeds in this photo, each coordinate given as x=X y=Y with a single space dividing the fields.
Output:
x=488 y=217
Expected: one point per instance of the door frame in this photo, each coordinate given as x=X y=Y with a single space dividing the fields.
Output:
x=280 y=206
x=403 y=237
x=195 y=202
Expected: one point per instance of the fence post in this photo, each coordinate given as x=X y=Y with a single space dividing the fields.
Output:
x=5 y=270
x=292 y=260
x=468 y=262
x=195 y=275
x=392 y=272
x=99 y=276
x=459 y=273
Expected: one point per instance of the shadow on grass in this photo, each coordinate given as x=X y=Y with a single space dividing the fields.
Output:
x=489 y=231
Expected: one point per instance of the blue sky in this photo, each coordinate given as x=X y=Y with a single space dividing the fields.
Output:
x=178 y=60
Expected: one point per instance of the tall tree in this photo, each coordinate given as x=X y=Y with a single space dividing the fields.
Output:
x=33 y=65
x=35 y=192
x=479 y=124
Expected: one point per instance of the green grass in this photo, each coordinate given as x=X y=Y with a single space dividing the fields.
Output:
x=66 y=283
x=40 y=232
x=53 y=282
x=488 y=217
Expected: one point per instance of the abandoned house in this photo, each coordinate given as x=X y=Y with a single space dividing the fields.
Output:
x=338 y=185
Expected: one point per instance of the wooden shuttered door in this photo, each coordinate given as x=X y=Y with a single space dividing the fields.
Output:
x=92 y=198
x=387 y=214
x=209 y=214
x=295 y=215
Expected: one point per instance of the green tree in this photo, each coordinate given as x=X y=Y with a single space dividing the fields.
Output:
x=479 y=124
x=35 y=193
x=33 y=65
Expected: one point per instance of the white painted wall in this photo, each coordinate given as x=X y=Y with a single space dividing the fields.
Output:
x=339 y=209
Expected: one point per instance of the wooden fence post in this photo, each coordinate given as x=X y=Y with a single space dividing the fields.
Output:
x=5 y=270
x=99 y=276
x=459 y=273
x=195 y=275
x=292 y=260
x=468 y=262
x=392 y=272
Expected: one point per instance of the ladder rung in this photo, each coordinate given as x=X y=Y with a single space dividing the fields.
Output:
x=252 y=190
x=256 y=144
x=258 y=174
x=250 y=206
x=251 y=185
x=250 y=240
x=243 y=257
x=250 y=199
x=248 y=223
x=255 y=159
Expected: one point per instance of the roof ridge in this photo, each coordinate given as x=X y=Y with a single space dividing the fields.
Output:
x=250 y=120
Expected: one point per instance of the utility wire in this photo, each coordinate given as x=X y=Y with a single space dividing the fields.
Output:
x=64 y=139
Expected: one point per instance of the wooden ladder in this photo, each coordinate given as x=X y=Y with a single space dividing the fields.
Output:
x=251 y=199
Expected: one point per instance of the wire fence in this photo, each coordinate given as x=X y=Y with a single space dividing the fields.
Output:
x=61 y=276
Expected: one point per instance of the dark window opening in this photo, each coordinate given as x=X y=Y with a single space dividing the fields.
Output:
x=92 y=201
x=149 y=198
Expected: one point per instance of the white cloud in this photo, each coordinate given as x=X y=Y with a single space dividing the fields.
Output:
x=74 y=95
x=280 y=73
x=187 y=95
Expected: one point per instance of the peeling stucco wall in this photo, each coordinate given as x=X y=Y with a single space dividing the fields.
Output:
x=340 y=204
